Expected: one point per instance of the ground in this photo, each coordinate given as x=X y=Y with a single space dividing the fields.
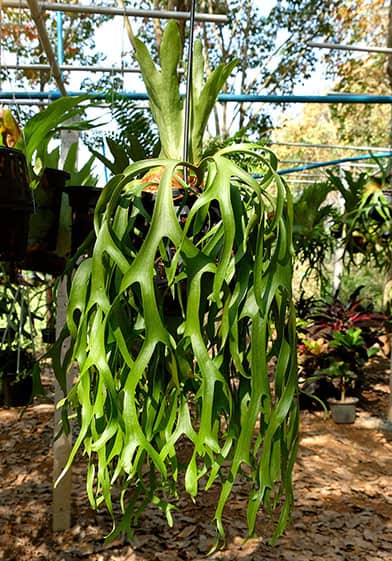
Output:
x=343 y=489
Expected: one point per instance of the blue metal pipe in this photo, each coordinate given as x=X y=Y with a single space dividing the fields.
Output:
x=237 y=98
x=60 y=41
x=334 y=162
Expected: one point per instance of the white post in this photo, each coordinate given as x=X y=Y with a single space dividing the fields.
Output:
x=338 y=264
x=62 y=445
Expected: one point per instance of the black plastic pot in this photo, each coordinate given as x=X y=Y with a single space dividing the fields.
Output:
x=82 y=200
x=15 y=392
x=15 y=204
x=15 y=389
x=14 y=190
x=48 y=335
x=44 y=225
x=44 y=221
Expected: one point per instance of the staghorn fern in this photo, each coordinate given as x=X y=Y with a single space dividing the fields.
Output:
x=178 y=329
x=150 y=378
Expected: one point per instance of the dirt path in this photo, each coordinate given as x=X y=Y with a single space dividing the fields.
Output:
x=343 y=487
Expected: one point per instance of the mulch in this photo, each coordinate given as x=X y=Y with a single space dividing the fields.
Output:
x=343 y=505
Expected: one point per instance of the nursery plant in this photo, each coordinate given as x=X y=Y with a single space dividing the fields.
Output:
x=347 y=356
x=348 y=348
x=40 y=181
x=34 y=137
x=313 y=238
x=182 y=322
x=335 y=341
x=20 y=312
x=365 y=221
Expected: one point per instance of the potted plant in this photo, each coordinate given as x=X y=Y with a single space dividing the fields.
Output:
x=16 y=376
x=348 y=357
x=335 y=343
x=31 y=185
x=15 y=204
x=343 y=410
x=18 y=367
x=82 y=200
x=180 y=317
x=20 y=310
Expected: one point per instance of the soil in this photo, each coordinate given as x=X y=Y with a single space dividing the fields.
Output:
x=343 y=488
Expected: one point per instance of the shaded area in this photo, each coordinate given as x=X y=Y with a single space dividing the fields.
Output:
x=343 y=487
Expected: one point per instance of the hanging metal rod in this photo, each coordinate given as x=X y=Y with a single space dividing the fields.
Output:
x=329 y=146
x=36 y=14
x=188 y=94
x=295 y=161
x=341 y=47
x=69 y=68
x=304 y=174
x=104 y=10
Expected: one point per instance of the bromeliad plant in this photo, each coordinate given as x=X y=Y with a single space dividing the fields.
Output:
x=179 y=323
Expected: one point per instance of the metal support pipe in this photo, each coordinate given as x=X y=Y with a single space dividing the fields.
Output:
x=341 y=47
x=334 y=162
x=70 y=67
x=29 y=102
x=349 y=98
x=103 y=10
x=37 y=14
x=188 y=95
x=329 y=146
x=60 y=42
x=351 y=164
x=234 y=98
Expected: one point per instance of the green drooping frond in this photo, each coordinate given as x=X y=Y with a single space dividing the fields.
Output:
x=186 y=332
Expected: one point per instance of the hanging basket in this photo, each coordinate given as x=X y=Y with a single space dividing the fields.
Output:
x=44 y=221
x=15 y=392
x=15 y=389
x=82 y=200
x=14 y=186
x=44 y=224
x=15 y=204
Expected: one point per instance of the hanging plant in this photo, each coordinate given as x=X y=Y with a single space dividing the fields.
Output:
x=180 y=325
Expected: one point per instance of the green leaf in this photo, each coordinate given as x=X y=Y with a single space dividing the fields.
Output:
x=163 y=89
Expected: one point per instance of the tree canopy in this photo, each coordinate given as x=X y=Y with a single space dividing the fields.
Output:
x=270 y=44
x=20 y=38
